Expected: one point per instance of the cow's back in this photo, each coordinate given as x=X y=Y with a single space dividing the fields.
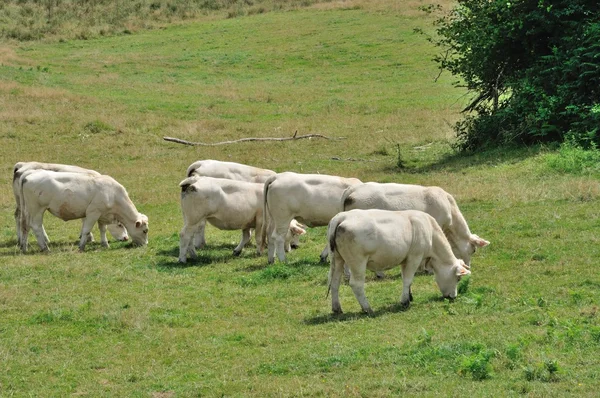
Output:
x=229 y=170
x=311 y=198
x=384 y=239
x=396 y=197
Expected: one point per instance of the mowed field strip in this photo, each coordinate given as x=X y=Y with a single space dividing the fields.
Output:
x=129 y=321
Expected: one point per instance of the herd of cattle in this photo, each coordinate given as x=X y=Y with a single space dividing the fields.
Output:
x=370 y=225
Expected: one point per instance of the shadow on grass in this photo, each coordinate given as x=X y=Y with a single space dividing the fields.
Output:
x=217 y=253
x=455 y=162
x=8 y=244
x=65 y=247
x=351 y=316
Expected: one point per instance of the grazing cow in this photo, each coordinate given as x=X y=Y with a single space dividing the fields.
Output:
x=312 y=199
x=69 y=196
x=226 y=204
x=117 y=230
x=380 y=239
x=230 y=171
x=432 y=200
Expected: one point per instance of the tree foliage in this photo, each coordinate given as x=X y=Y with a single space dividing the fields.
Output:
x=533 y=66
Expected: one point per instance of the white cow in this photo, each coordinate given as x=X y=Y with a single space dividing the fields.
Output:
x=117 y=230
x=225 y=204
x=70 y=196
x=312 y=199
x=432 y=200
x=380 y=239
x=230 y=171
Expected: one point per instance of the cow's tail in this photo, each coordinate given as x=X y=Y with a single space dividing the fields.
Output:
x=266 y=215
x=345 y=198
x=186 y=183
x=24 y=214
x=331 y=236
x=192 y=168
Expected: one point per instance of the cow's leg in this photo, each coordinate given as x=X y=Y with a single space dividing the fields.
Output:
x=408 y=273
x=335 y=278
x=258 y=236
x=357 y=283
x=280 y=244
x=271 y=244
x=245 y=239
x=89 y=236
x=187 y=234
x=23 y=231
x=199 y=239
x=324 y=254
x=36 y=225
x=18 y=223
x=103 y=239
x=88 y=223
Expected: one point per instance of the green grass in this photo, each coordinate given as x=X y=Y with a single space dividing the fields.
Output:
x=133 y=322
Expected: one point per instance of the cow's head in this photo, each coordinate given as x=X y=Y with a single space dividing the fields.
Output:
x=139 y=234
x=447 y=278
x=297 y=228
x=464 y=249
x=118 y=231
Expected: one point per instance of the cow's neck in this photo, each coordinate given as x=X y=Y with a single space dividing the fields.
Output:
x=125 y=210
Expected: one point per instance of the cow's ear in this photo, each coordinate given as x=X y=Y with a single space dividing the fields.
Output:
x=479 y=242
x=461 y=271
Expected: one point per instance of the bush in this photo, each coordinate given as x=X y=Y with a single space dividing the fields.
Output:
x=532 y=66
x=572 y=158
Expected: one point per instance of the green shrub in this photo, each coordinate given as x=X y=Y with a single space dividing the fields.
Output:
x=531 y=66
x=478 y=365
x=572 y=158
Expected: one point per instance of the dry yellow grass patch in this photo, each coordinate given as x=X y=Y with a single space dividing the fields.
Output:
x=9 y=57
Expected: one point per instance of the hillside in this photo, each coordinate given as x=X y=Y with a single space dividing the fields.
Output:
x=129 y=321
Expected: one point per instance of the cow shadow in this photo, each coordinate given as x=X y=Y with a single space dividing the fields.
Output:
x=210 y=254
x=353 y=316
x=61 y=247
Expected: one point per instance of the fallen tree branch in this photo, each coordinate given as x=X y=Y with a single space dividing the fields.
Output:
x=292 y=138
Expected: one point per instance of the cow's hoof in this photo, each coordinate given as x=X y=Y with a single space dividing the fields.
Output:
x=294 y=247
x=237 y=252
x=182 y=261
x=404 y=305
x=322 y=259
x=337 y=311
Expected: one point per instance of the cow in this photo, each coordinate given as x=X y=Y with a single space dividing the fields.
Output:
x=432 y=200
x=230 y=171
x=117 y=230
x=381 y=239
x=70 y=196
x=312 y=199
x=225 y=204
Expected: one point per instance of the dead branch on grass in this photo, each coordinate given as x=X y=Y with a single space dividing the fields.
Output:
x=292 y=138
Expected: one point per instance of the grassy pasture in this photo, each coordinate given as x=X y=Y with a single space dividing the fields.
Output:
x=132 y=322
